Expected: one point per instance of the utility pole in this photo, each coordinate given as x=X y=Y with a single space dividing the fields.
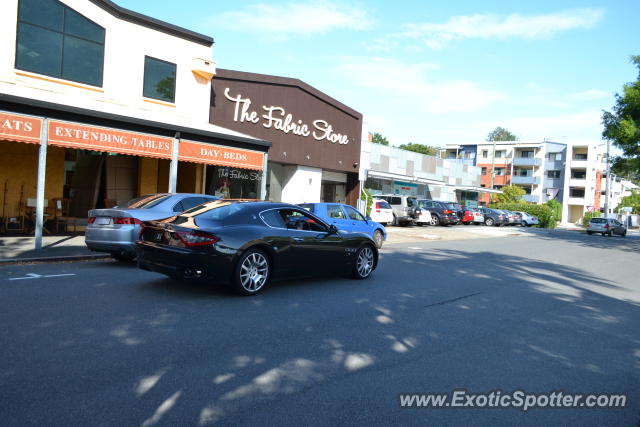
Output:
x=607 y=185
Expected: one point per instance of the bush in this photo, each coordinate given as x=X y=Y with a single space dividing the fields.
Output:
x=367 y=197
x=588 y=215
x=556 y=206
x=546 y=215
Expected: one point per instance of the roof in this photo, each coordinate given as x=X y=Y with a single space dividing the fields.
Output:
x=154 y=24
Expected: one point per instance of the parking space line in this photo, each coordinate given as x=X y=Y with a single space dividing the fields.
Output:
x=40 y=276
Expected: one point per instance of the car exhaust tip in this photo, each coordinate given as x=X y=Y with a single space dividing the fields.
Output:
x=192 y=273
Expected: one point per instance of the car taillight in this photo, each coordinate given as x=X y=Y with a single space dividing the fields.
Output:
x=606 y=226
x=377 y=205
x=377 y=210
x=125 y=220
x=91 y=219
x=197 y=238
x=447 y=211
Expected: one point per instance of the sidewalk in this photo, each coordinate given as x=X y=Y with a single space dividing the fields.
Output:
x=54 y=248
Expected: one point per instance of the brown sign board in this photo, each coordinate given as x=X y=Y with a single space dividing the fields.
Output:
x=306 y=126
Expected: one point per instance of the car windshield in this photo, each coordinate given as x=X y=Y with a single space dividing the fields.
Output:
x=145 y=202
x=598 y=220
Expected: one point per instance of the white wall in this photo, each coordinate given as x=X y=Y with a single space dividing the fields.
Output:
x=126 y=45
x=303 y=186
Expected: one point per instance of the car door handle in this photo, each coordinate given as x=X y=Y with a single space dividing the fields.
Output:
x=297 y=239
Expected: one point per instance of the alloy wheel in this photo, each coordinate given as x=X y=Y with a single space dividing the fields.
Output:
x=377 y=237
x=364 y=263
x=254 y=272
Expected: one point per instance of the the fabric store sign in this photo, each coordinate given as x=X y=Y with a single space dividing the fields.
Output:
x=198 y=152
x=73 y=135
x=16 y=127
x=278 y=118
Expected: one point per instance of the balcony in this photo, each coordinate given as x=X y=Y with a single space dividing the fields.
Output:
x=531 y=198
x=526 y=161
x=576 y=201
x=525 y=180
x=579 y=164
x=575 y=182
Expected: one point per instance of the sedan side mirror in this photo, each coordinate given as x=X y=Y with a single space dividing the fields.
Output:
x=333 y=229
x=368 y=218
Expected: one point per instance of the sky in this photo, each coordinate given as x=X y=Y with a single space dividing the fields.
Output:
x=434 y=72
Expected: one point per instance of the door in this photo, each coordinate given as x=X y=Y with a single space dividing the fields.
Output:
x=338 y=217
x=357 y=221
x=313 y=249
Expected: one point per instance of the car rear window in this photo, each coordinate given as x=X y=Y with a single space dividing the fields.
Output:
x=145 y=202
x=382 y=205
x=598 y=220
x=396 y=201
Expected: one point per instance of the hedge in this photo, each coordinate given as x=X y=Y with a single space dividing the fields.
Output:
x=546 y=215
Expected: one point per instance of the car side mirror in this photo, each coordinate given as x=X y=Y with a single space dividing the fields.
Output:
x=368 y=218
x=333 y=229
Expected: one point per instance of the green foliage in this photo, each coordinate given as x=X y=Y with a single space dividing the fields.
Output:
x=510 y=194
x=420 y=148
x=556 y=207
x=501 y=134
x=379 y=139
x=622 y=126
x=632 y=201
x=546 y=217
x=368 y=198
x=628 y=168
x=588 y=215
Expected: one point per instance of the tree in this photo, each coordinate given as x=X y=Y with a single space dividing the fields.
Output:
x=420 y=148
x=379 y=139
x=622 y=127
x=632 y=201
x=625 y=168
x=510 y=194
x=501 y=134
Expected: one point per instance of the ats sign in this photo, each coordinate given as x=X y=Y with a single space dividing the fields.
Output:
x=277 y=118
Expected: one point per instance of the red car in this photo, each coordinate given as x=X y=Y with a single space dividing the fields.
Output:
x=471 y=216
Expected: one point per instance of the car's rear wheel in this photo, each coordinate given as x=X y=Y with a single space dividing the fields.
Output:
x=123 y=256
x=252 y=272
x=624 y=233
x=489 y=221
x=377 y=237
x=363 y=266
x=589 y=232
x=435 y=220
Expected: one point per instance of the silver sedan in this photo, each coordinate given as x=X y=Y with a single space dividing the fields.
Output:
x=115 y=230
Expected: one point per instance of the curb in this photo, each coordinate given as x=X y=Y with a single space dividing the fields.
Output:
x=67 y=258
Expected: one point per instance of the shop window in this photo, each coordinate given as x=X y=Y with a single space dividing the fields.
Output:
x=159 y=79
x=57 y=41
x=233 y=183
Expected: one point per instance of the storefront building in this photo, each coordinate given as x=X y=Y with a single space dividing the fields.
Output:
x=316 y=140
x=391 y=170
x=99 y=104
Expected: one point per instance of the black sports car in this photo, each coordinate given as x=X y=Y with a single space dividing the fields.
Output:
x=247 y=243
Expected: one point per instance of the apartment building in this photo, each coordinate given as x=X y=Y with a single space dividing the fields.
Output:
x=583 y=184
x=619 y=189
x=537 y=167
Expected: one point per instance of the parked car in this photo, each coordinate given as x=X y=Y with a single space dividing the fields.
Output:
x=381 y=211
x=472 y=216
x=245 y=244
x=494 y=217
x=457 y=208
x=441 y=212
x=116 y=229
x=527 y=220
x=405 y=208
x=347 y=218
x=511 y=219
x=606 y=226
x=424 y=217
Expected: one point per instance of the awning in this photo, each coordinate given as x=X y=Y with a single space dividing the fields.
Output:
x=20 y=128
x=404 y=178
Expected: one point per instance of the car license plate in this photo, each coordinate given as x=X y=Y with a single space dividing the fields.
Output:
x=103 y=220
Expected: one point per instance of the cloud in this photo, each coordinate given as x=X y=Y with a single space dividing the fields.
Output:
x=408 y=85
x=591 y=94
x=282 y=20
x=493 y=26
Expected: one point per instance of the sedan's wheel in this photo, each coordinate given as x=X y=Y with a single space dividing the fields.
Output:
x=364 y=263
x=377 y=237
x=252 y=272
x=489 y=222
x=435 y=220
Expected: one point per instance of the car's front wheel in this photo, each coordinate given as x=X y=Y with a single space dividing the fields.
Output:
x=252 y=272
x=377 y=237
x=364 y=263
x=589 y=232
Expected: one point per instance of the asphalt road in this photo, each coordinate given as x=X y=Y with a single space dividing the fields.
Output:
x=101 y=343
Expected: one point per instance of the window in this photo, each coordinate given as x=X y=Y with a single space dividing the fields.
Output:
x=576 y=192
x=523 y=172
x=553 y=174
x=297 y=220
x=334 y=211
x=57 y=41
x=578 y=174
x=159 y=79
x=500 y=154
x=499 y=171
x=483 y=185
x=497 y=187
x=354 y=214
x=580 y=156
x=485 y=153
x=526 y=154
x=484 y=171
x=272 y=218
x=526 y=188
